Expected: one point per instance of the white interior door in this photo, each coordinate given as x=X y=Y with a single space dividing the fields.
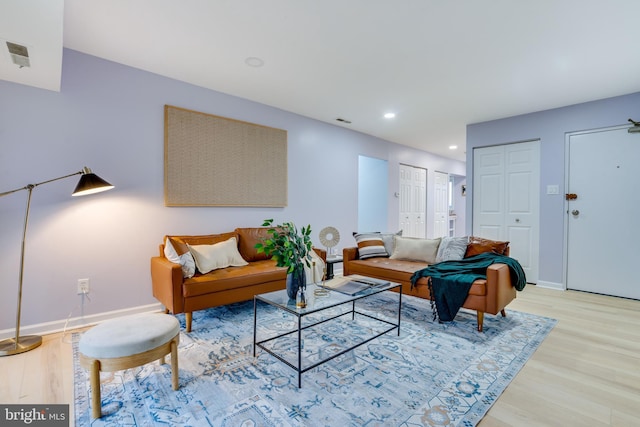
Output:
x=413 y=201
x=506 y=199
x=419 y=216
x=488 y=192
x=522 y=220
x=602 y=235
x=441 y=205
x=406 y=183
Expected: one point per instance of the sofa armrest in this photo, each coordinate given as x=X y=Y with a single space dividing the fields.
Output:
x=348 y=254
x=166 y=279
x=500 y=291
x=321 y=253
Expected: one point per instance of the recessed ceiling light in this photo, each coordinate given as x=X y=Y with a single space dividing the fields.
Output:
x=389 y=115
x=453 y=147
x=253 y=61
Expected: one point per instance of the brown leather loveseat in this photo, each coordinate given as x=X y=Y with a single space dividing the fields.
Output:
x=490 y=295
x=180 y=294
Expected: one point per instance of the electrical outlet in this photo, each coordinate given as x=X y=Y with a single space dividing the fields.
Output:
x=83 y=286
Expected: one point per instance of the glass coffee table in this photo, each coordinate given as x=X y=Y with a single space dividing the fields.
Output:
x=322 y=307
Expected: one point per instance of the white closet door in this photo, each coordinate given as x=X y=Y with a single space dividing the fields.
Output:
x=488 y=192
x=413 y=201
x=406 y=184
x=419 y=216
x=506 y=199
x=441 y=205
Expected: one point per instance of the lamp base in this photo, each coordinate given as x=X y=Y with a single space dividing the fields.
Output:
x=25 y=343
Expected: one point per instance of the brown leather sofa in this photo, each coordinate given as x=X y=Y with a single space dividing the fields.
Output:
x=485 y=296
x=221 y=286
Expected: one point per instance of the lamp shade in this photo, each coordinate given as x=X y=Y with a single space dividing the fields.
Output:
x=90 y=183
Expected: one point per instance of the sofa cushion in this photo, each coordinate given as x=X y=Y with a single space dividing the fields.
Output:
x=452 y=248
x=370 y=245
x=247 y=240
x=415 y=249
x=479 y=245
x=396 y=270
x=254 y=273
x=218 y=255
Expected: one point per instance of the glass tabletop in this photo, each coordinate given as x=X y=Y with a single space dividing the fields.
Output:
x=320 y=297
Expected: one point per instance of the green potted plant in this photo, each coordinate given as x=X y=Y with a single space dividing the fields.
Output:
x=289 y=248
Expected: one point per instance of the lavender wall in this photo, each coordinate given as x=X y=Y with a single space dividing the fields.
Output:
x=550 y=127
x=109 y=117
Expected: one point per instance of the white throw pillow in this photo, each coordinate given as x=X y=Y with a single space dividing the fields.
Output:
x=452 y=248
x=415 y=249
x=387 y=240
x=185 y=260
x=221 y=255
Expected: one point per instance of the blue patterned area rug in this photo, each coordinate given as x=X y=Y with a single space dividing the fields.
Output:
x=431 y=375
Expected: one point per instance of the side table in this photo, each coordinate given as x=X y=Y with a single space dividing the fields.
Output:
x=333 y=259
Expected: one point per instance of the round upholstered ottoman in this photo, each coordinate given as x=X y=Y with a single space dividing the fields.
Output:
x=125 y=343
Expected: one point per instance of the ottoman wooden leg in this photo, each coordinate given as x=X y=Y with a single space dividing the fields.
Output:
x=174 y=363
x=96 y=401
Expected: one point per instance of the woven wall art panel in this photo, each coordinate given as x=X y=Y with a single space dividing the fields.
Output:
x=217 y=161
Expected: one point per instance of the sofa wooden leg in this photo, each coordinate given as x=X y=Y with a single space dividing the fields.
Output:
x=504 y=313
x=188 y=318
x=480 y=315
x=166 y=311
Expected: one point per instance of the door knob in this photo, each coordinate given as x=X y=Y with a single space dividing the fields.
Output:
x=575 y=212
x=517 y=219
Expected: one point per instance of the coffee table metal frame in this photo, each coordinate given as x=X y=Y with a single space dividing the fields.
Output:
x=317 y=304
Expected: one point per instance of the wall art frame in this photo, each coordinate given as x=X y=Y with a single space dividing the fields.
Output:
x=217 y=161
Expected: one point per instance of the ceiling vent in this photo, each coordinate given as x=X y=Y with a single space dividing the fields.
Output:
x=343 y=120
x=19 y=54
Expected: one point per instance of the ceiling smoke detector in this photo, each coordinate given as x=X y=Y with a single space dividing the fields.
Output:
x=19 y=54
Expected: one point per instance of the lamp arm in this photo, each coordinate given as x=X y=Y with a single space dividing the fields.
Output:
x=32 y=186
x=29 y=188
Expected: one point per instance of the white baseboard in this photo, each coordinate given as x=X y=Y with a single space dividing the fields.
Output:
x=78 y=322
x=551 y=285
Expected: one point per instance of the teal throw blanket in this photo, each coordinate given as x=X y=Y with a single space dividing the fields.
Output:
x=450 y=281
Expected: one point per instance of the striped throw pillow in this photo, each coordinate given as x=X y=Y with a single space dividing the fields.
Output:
x=370 y=245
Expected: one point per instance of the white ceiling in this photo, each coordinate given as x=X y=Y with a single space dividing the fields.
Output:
x=439 y=65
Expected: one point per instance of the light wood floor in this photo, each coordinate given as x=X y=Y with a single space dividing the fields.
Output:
x=586 y=373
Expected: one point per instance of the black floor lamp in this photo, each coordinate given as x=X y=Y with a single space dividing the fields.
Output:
x=89 y=183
